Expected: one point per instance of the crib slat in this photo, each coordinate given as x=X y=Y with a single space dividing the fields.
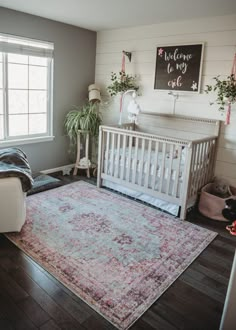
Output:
x=135 y=160
x=169 y=168
x=203 y=164
x=196 y=168
x=198 y=176
x=147 y=174
x=212 y=146
x=129 y=159
x=117 y=162
x=107 y=151
x=193 y=168
x=192 y=171
x=177 y=171
x=123 y=157
x=101 y=156
x=162 y=166
x=141 y=163
x=207 y=162
x=112 y=153
x=201 y=172
x=155 y=164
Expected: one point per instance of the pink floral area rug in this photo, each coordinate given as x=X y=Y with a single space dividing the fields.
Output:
x=117 y=255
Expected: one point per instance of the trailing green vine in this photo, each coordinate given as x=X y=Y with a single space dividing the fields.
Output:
x=121 y=83
x=225 y=89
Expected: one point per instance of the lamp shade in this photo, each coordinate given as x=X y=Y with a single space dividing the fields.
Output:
x=94 y=93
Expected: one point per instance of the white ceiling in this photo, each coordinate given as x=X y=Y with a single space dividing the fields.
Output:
x=100 y=15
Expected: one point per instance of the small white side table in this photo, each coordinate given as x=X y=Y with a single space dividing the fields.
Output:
x=82 y=163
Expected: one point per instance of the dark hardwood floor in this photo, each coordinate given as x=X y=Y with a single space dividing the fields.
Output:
x=30 y=298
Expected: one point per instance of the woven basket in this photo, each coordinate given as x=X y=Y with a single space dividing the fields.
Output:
x=210 y=205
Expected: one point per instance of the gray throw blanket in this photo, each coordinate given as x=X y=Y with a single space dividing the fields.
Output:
x=13 y=162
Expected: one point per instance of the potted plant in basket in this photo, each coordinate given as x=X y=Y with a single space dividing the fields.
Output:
x=225 y=90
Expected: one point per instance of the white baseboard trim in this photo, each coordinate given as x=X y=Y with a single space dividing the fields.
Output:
x=65 y=169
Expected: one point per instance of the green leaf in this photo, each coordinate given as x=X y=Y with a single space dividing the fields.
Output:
x=122 y=83
x=86 y=117
x=225 y=91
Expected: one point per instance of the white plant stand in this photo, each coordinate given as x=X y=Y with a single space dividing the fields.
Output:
x=82 y=163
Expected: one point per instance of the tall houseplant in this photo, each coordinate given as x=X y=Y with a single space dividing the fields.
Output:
x=86 y=117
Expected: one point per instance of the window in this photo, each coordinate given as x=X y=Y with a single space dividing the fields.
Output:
x=26 y=75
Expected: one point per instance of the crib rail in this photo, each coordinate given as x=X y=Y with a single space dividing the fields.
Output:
x=167 y=168
x=202 y=165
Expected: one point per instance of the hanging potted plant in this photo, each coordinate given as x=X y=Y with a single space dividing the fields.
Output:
x=226 y=92
x=121 y=83
x=85 y=117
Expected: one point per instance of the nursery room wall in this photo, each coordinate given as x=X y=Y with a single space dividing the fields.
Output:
x=74 y=69
x=218 y=36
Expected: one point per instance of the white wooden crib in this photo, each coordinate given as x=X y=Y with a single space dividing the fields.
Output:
x=165 y=159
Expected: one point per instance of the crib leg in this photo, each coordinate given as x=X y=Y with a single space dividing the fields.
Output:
x=100 y=159
x=183 y=212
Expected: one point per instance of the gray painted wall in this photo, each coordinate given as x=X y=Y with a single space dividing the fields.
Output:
x=74 y=70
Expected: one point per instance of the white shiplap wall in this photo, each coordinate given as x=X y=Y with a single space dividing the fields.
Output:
x=219 y=37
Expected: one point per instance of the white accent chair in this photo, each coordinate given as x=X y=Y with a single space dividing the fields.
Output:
x=12 y=205
x=228 y=320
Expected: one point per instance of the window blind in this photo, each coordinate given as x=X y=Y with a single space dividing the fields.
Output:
x=23 y=46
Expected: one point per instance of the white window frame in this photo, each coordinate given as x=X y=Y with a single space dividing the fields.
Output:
x=17 y=45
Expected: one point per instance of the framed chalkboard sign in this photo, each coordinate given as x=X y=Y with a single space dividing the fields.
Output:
x=179 y=67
